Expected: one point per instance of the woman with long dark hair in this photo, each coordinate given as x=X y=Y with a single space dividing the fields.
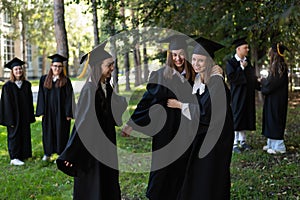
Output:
x=275 y=90
x=55 y=104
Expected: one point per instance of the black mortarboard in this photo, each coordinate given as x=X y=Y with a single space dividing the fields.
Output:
x=176 y=41
x=98 y=54
x=279 y=48
x=14 y=62
x=206 y=47
x=57 y=58
x=239 y=42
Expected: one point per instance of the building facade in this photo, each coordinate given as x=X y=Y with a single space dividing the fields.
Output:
x=12 y=45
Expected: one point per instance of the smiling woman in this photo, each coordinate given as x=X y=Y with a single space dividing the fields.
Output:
x=16 y=113
x=55 y=104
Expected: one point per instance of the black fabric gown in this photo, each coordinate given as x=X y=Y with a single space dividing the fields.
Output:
x=209 y=177
x=56 y=105
x=164 y=183
x=275 y=89
x=16 y=109
x=242 y=86
x=93 y=179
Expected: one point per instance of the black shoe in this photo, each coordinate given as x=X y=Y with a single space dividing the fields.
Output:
x=236 y=149
x=245 y=146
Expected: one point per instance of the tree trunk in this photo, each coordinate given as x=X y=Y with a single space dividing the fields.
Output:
x=145 y=61
x=127 y=70
x=95 y=23
x=126 y=54
x=60 y=30
x=44 y=61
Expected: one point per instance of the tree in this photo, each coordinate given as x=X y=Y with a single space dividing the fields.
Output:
x=60 y=30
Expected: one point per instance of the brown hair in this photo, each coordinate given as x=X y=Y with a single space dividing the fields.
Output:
x=277 y=63
x=12 y=77
x=59 y=83
x=168 y=72
x=209 y=62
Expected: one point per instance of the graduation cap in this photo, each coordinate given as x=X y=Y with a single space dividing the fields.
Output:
x=176 y=41
x=279 y=48
x=239 y=42
x=14 y=62
x=97 y=55
x=206 y=47
x=57 y=58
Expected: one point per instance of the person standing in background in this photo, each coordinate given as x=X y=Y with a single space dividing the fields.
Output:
x=243 y=82
x=55 y=104
x=17 y=112
x=275 y=89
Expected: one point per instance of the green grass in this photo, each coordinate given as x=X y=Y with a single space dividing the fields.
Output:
x=255 y=174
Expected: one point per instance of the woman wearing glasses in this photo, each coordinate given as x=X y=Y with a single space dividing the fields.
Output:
x=55 y=105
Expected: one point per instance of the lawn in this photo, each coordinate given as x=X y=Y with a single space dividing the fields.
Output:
x=255 y=174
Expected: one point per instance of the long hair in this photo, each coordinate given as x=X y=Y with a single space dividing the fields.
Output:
x=168 y=72
x=12 y=77
x=209 y=63
x=277 y=64
x=59 y=83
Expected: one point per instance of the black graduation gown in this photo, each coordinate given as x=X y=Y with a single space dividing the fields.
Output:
x=16 y=109
x=93 y=179
x=275 y=89
x=242 y=86
x=164 y=183
x=55 y=105
x=209 y=177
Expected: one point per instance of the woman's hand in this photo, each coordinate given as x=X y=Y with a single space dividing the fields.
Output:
x=68 y=164
x=174 y=103
x=216 y=70
x=126 y=130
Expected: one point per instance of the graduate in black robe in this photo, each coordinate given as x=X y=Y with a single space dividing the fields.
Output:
x=16 y=112
x=170 y=146
x=91 y=153
x=55 y=104
x=208 y=170
x=243 y=82
x=275 y=90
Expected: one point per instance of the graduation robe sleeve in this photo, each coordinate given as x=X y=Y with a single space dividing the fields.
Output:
x=235 y=73
x=6 y=108
x=152 y=96
x=69 y=100
x=40 y=107
x=271 y=83
x=75 y=151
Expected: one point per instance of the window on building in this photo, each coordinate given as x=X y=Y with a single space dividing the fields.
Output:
x=7 y=17
x=9 y=49
x=29 y=55
x=9 y=53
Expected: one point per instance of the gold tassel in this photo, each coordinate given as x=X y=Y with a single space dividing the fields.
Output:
x=85 y=67
x=278 y=51
x=65 y=71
